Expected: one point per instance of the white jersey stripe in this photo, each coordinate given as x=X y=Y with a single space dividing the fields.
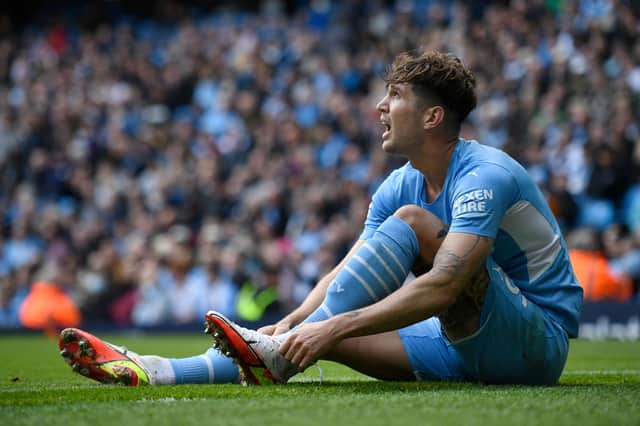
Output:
x=539 y=242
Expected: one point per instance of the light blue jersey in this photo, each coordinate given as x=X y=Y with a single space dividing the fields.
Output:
x=488 y=193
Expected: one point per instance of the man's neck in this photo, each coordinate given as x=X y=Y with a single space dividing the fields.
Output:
x=432 y=160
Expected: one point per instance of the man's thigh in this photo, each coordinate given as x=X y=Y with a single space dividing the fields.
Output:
x=382 y=356
x=419 y=351
x=517 y=342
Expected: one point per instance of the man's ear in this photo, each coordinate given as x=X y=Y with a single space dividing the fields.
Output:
x=432 y=117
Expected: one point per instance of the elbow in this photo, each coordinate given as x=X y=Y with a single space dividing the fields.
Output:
x=436 y=293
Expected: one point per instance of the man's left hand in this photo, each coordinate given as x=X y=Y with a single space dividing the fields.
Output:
x=308 y=343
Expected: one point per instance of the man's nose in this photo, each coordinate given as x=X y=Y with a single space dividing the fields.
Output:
x=382 y=105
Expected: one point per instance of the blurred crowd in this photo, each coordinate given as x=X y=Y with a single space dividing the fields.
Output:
x=155 y=168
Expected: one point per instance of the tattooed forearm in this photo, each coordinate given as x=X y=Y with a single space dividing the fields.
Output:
x=476 y=241
x=450 y=263
x=447 y=262
x=352 y=314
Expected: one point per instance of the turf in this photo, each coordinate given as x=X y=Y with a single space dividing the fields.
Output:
x=600 y=386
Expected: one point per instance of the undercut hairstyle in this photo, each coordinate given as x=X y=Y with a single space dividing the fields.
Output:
x=437 y=79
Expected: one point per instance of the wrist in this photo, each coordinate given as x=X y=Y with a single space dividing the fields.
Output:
x=341 y=326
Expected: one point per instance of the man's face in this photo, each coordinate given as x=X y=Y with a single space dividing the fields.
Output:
x=401 y=118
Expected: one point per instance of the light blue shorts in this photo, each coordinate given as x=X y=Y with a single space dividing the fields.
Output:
x=516 y=343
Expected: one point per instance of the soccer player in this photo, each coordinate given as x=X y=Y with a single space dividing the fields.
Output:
x=494 y=297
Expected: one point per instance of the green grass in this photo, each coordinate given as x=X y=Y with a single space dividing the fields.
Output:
x=600 y=386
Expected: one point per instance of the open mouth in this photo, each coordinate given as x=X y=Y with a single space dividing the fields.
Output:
x=387 y=129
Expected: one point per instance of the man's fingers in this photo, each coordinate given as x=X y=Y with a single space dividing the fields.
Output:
x=284 y=346
x=279 y=329
x=298 y=357
x=274 y=329
x=292 y=349
x=268 y=330
x=298 y=350
x=307 y=361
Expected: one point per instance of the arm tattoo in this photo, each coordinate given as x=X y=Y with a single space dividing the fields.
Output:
x=451 y=264
x=352 y=314
x=442 y=232
x=447 y=262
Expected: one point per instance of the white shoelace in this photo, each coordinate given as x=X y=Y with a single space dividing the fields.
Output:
x=320 y=372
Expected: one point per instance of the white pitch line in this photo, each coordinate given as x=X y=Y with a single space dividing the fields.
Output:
x=168 y=400
x=333 y=379
x=605 y=372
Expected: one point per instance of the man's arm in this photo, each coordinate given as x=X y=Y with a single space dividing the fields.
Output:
x=313 y=300
x=458 y=258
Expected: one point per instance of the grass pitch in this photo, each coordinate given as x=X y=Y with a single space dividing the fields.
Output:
x=600 y=386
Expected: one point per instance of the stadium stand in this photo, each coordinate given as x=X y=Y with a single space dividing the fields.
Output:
x=196 y=157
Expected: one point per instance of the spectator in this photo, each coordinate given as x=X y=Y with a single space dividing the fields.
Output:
x=623 y=249
x=594 y=272
x=262 y=124
x=11 y=298
x=47 y=306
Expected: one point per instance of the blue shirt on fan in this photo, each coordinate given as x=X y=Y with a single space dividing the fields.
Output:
x=488 y=193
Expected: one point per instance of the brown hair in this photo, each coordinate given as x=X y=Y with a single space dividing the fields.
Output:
x=434 y=74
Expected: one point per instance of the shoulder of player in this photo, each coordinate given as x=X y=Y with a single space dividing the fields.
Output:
x=473 y=151
x=401 y=173
x=484 y=176
x=483 y=169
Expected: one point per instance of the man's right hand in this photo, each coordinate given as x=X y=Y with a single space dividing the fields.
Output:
x=275 y=329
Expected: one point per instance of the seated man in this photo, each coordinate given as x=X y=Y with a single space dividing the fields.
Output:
x=494 y=298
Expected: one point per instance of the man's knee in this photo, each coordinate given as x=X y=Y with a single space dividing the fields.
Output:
x=422 y=221
x=429 y=229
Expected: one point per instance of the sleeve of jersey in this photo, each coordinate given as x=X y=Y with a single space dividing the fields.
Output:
x=480 y=200
x=383 y=204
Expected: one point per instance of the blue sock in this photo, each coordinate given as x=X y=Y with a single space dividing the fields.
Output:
x=377 y=269
x=210 y=367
